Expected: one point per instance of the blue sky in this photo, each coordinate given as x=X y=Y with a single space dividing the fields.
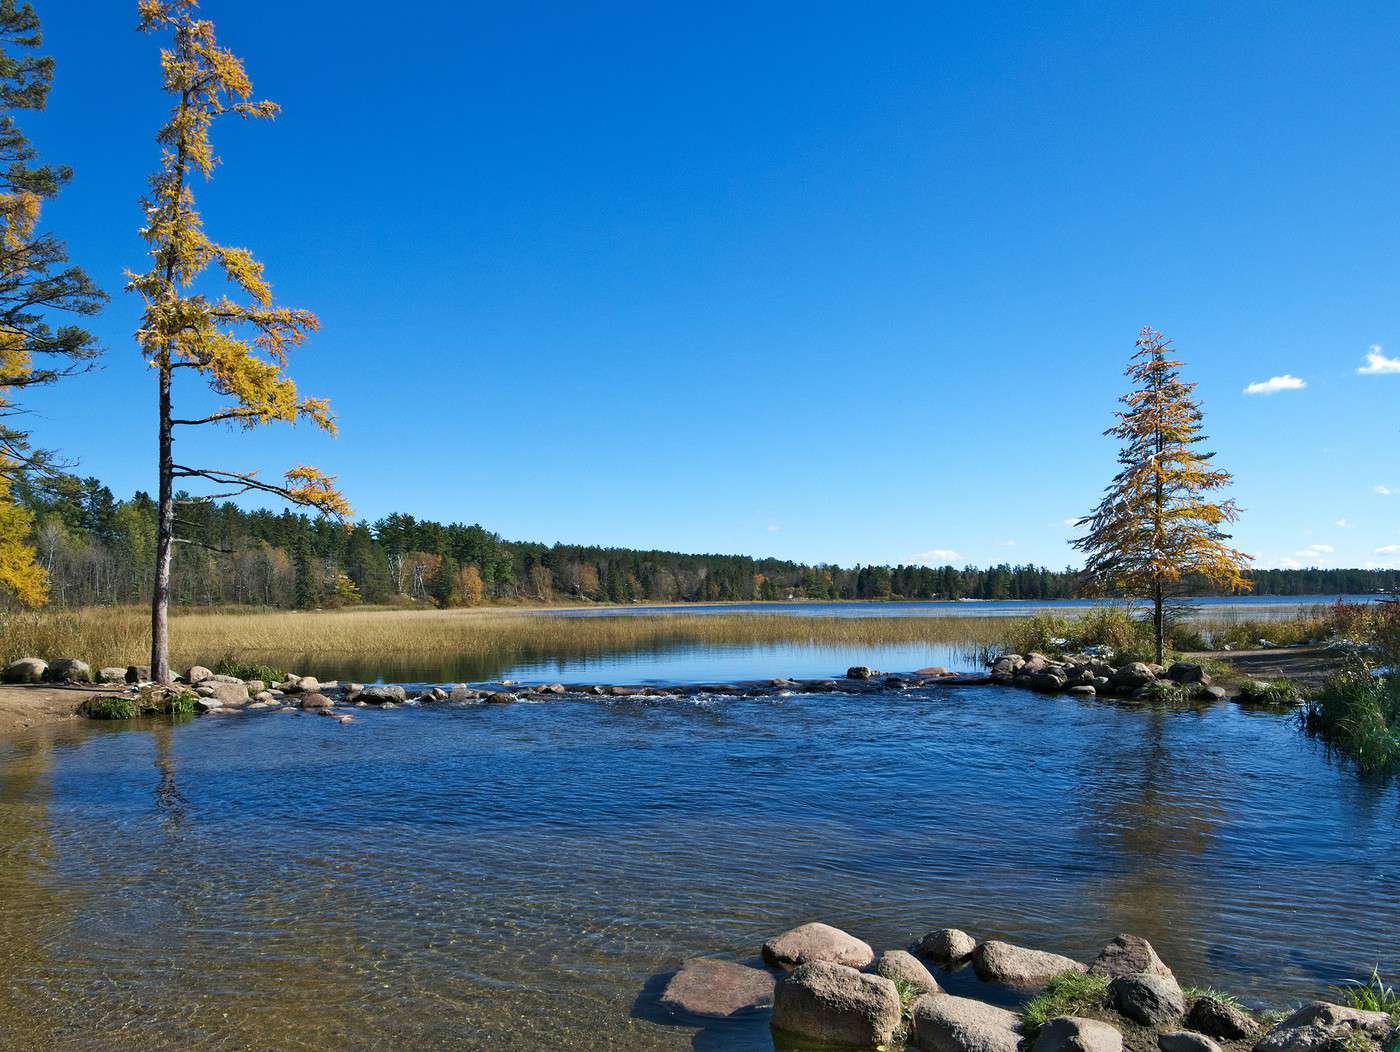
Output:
x=825 y=281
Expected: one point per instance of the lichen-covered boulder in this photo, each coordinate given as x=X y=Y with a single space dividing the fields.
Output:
x=906 y=971
x=837 y=1006
x=25 y=670
x=717 y=989
x=1132 y=676
x=1320 y=1025
x=1018 y=967
x=315 y=701
x=1072 y=1034
x=947 y=946
x=1221 y=1020
x=198 y=674
x=111 y=674
x=944 y=1023
x=230 y=695
x=1129 y=955
x=69 y=670
x=860 y=672
x=817 y=942
x=1152 y=1000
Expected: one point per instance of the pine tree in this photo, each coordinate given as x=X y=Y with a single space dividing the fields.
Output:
x=239 y=349
x=1157 y=525
x=36 y=281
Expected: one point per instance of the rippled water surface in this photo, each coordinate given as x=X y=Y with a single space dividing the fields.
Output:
x=517 y=877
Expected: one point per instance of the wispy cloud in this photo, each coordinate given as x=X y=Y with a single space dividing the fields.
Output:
x=1342 y=524
x=1289 y=564
x=1275 y=384
x=773 y=527
x=1377 y=364
x=1009 y=543
x=1389 y=549
x=935 y=557
x=1317 y=549
x=1383 y=491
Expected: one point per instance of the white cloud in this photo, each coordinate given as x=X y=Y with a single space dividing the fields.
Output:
x=1289 y=564
x=1383 y=491
x=1009 y=543
x=1314 y=554
x=1389 y=549
x=935 y=557
x=1378 y=364
x=773 y=527
x=1275 y=384
x=1342 y=524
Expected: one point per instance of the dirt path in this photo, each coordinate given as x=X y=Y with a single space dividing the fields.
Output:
x=1311 y=666
x=23 y=707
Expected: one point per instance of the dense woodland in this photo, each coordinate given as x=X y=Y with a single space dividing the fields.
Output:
x=98 y=550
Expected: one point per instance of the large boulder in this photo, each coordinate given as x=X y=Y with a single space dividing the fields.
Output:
x=837 y=1006
x=1221 y=1020
x=907 y=972
x=501 y=697
x=1320 y=1026
x=1071 y=1034
x=1188 y=672
x=717 y=989
x=1132 y=676
x=1129 y=955
x=25 y=670
x=947 y=946
x=315 y=701
x=944 y=1023
x=1046 y=681
x=69 y=670
x=817 y=942
x=1018 y=967
x=861 y=672
x=1186 y=1041
x=198 y=674
x=230 y=695
x=138 y=674
x=1152 y=1000
x=383 y=694
x=111 y=674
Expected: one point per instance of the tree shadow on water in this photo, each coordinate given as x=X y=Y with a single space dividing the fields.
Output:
x=745 y=1032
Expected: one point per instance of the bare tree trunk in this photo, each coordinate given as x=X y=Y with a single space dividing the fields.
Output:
x=165 y=535
x=1159 y=621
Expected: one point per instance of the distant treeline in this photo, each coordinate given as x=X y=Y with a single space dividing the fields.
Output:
x=98 y=550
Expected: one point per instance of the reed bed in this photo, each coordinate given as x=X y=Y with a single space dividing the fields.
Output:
x=121 y=635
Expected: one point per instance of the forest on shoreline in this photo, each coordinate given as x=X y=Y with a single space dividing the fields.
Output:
x=98 y=551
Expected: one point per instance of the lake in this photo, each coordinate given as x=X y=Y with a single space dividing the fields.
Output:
x=520 y=877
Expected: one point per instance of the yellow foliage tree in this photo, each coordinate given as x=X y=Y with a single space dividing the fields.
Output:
x=20 y=575
x=1158 y=525
x=238 y=349
x=470 y=586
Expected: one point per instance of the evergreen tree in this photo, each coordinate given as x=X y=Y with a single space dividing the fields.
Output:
x=185 y=330
x=308 y=589
x=1157 y=525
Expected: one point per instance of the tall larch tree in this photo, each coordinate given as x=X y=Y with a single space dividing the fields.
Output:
x=239 y=350
x=1160 y=523
x=37 y=283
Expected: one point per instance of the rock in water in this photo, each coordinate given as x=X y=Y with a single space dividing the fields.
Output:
x=1129 y=955
x=232 y=695
x=837 y=1006
x=501 y=697
x=383 y=695
x=315 y=701
x=902 y=967
x=1018 y=967
x=717 y=989
x=1151 y=1000
x=947 y=946
x=817 y=942
x=1221 y=1020
x=860 y=672
x=1186 y=1041
x=25 y=670
x=1072 y=1034
x=944 y=1023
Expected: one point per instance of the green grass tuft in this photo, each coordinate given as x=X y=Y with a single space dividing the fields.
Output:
x=110 y=708
x=231 y=666
x=1072 y=993
x=1197 y=993
x=1371 y=996
x=1359 y=713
